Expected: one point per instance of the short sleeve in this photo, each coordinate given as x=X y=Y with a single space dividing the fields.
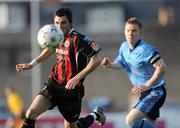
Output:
x=88 y=46
x=120 y=58
x=151 y=55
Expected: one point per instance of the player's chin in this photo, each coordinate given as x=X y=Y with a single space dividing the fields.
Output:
x=65 y=32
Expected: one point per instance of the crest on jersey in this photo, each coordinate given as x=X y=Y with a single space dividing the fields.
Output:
x=95 y=46
x=66 y=43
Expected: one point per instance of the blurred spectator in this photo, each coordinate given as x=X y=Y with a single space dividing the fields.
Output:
x=166 y=16
x=15 y=106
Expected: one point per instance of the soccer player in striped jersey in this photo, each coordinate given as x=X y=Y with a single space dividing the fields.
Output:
x=145 y=69
x=77 y=56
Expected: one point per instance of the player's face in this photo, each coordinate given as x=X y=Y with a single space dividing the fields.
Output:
x=62 y=23
x=132 y=33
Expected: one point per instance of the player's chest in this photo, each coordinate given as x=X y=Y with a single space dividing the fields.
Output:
x=66 y=47
x=133 y=58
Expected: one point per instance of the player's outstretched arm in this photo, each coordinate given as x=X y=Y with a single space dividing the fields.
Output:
x=107 y=63
x=46 y=52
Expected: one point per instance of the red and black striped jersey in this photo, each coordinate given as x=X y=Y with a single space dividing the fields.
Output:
x=73 y=55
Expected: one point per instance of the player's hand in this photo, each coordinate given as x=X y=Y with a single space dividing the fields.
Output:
x=136 y=90
x=22 y=67
x=72 y=83
x=106 y=63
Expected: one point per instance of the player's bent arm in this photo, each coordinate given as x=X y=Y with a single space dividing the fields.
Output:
x=115 y=65
x=160 y=69
x=41 y=57
x=93 y=64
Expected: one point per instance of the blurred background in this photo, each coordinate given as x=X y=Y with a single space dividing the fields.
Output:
x=103 y=20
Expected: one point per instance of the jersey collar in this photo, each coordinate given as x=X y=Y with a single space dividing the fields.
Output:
x=70 y=31
x=137 y=43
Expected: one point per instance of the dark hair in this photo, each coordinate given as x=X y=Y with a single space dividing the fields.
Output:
x=135 y=21
x=64 y=12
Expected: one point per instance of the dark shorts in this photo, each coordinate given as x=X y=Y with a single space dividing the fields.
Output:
x=67 y=101
x=151 y=101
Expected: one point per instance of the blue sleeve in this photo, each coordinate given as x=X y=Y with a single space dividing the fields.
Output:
x=120 y=58
x=151 y=55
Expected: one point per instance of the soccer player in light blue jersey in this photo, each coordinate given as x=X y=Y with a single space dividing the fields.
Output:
x=145 y=69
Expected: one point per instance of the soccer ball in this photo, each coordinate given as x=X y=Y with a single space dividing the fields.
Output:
x=49 y=36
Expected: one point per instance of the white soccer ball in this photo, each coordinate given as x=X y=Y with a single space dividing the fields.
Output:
x=49 y=36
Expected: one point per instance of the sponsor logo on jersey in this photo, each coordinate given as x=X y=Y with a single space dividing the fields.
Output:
x=64 y=52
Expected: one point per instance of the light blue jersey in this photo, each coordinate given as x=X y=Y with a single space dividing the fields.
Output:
x=138 y=62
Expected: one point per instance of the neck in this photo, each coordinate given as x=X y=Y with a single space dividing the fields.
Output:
x=133 y=44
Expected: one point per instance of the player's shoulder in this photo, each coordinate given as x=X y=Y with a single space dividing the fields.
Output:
x=74 y=32
x=83 y=37
x=124 y=44
x=77 y=33
x=148 y=49
x=146 y=46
